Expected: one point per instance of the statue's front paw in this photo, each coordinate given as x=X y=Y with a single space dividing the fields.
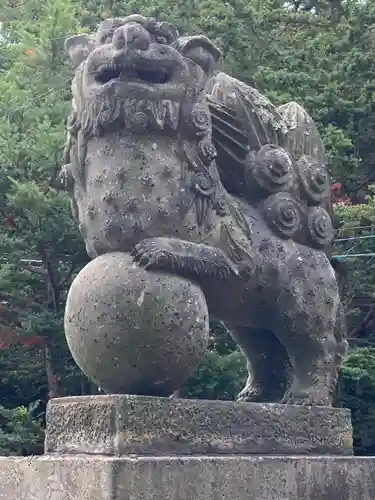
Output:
x=250 y=393
x=150 y=256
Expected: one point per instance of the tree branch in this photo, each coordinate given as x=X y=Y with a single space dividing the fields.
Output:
x=363 y=323
x=20 y=301
x=53 y=279
x=75 y=261
x=361 y=342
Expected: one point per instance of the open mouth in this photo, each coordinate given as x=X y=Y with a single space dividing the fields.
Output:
x=147 y=75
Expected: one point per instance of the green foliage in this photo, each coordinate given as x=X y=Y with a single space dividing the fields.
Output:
x=20 y=432
x=218 y=377
x=22 y=376
x=357 y=392
x=304 y=52
x=359 y=272
x=40 y=246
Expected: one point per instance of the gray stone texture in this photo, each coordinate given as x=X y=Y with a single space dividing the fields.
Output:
x=200 y=176
x=124 y=425
x=187 y=478
x=135 y=331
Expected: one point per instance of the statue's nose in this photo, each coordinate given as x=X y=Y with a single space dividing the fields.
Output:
x=132 y=36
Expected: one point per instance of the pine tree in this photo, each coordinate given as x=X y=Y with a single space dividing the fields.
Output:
x=39 y=244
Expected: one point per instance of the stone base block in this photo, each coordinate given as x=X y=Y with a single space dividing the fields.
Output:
x=187 y=478
x=126 y=425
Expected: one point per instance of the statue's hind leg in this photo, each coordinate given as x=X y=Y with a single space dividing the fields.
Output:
x=313 y=372
x=267 y=362
x=315 y=347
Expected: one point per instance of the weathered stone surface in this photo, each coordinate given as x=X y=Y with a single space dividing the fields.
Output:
x=46 y=478
x=187 y=478
x=200 y=176
x=133 y=331
x=114 y=425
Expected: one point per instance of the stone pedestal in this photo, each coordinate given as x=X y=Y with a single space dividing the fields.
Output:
x=187 y=478
x=140 y=425
x=140 y=448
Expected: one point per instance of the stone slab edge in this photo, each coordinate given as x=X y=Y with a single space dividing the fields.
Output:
x=187 y=478
x=126 y=425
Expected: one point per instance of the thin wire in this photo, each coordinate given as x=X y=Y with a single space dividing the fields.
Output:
x=4 y=58
x=64 y=82
x=371 y=236
x=355 y=227
x=352 y=249
x=44 y=94
x=353 y=256
x=369 y=262
x=64 y=36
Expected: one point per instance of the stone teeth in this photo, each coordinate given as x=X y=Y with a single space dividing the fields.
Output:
x=172 y=113
x=159 y=111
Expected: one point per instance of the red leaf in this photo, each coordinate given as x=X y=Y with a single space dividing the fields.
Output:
x=8 y=222
x=34 y=341
x=8 y=337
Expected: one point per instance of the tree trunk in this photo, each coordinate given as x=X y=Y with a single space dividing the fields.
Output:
x=336 y=10
x=55 y=389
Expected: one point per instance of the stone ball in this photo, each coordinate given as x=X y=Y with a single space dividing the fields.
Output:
x=135 y=331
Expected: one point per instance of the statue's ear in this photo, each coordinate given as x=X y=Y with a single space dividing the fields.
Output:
x=200 y=50
x=78 y=48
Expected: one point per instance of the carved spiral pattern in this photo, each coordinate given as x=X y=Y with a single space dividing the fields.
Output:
x=203 y=184
x=272 y=169
x=207 y=151
x=200 y=119
x=96 y=118
x=139 y=121
x=283 y=214
x=319 y=223
x=314 y=179
x=110 y=111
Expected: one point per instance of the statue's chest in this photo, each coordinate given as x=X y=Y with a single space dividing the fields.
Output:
x=121 y=167
x=131 y=192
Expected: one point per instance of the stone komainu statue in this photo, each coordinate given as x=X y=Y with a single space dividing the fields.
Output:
x=200 y=175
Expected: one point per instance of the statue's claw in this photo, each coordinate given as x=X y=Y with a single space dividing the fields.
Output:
x=149 y=256
x=251 y=393
x=248 y=394
x=184 y=258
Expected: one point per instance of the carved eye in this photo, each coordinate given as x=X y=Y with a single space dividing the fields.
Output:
x=161 y=39
x=106 y=38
